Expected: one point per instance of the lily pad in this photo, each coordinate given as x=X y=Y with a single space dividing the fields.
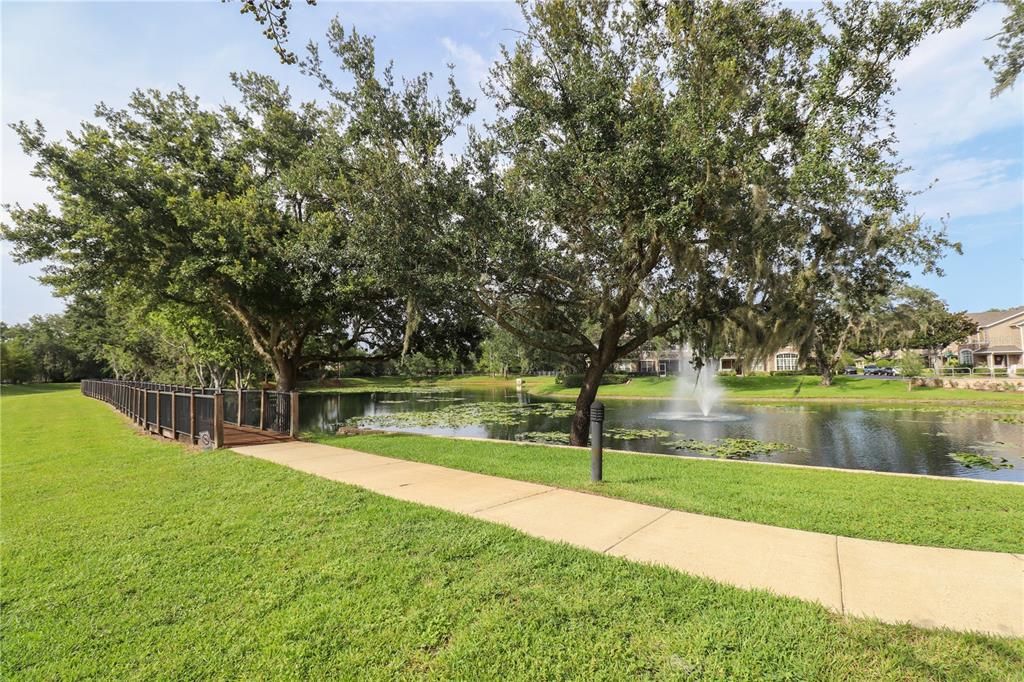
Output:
x=465 y=414
x=974 y=459
x=636 y=434
x=551 y=437
x=729 y=448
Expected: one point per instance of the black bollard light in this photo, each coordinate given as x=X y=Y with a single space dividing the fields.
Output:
x=596 y=425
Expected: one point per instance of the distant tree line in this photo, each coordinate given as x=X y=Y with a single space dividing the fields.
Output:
x=672 y=171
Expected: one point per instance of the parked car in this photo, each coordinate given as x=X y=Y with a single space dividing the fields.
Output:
x=850 y=371
x=869 y=370
x=876 y=371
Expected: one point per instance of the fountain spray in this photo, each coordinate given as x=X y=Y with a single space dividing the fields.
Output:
x=696 y=383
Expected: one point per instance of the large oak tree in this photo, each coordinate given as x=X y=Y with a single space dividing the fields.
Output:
x=661 y=167
x=283 y=216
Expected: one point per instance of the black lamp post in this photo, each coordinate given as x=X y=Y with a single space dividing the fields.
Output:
x=596 y=424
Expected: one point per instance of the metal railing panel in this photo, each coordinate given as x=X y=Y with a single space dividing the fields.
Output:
x=189 y=411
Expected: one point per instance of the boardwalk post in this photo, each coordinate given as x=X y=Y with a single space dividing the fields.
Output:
x=218 y=420
x=263 y=405
x=293 y=430
x=131 y=398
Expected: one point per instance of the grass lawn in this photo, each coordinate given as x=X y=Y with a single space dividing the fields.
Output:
x=754 y=389
x=963 y=514
x=768 y=388
x=126 y=557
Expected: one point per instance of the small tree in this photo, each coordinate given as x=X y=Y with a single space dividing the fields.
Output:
x=911 y=366
x=16 y=365
x=913 y=317
x=499 y=352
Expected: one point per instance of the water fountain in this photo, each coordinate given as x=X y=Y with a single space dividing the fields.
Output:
x=698 y=387
x=694 y=385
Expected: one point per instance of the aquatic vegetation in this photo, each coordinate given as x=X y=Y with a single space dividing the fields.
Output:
x=465 y=414
x=552 y=409
x=999 y=414
x=635 y=434
x=394 y=390
x=562 y=437
x=548 y=437
x=974 y=459
x=729 y=448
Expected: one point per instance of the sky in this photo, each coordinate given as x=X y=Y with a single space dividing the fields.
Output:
x=59 y=59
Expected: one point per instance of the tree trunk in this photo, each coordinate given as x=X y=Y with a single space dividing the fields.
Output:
x=286 y=372
x=822 y=361
x=825 y=369
x=588 y=391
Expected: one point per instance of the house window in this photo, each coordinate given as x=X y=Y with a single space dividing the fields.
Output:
x=967 y=357
x=785 y=362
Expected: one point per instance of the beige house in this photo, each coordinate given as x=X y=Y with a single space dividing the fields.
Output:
x=785 y=359
x=999 y=343
x=666 y=361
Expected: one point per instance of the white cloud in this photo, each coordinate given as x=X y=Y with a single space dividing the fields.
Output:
x=468 y=59
x=965 y=187
x=944 y=89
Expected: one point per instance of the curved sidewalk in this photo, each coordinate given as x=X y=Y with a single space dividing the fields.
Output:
x=926 y=586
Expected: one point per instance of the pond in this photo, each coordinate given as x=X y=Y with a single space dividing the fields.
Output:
x=923 y=440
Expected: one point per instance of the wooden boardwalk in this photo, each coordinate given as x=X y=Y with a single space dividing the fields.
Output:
x=237 y=436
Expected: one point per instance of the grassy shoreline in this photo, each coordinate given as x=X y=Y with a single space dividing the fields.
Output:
x=739 y=389
x=921 y=511
x=129 y=557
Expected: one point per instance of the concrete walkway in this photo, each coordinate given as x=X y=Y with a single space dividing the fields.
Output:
x=927 y=586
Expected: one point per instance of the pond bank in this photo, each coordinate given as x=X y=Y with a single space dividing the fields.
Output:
x=798 y=389
x=908 y=510
x=913 y=439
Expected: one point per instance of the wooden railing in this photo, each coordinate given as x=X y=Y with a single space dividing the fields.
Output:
x=198 y=414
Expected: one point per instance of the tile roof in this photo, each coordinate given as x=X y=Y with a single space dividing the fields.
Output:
x=998 y=350
x=992 y=316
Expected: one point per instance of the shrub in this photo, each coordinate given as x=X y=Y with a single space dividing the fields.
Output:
x=726 y=372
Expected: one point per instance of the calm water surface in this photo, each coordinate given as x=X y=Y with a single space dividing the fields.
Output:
x=848 y=437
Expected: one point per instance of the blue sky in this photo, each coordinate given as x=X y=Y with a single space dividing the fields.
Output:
x=60 y=59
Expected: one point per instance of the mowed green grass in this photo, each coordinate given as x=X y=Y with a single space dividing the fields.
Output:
x=920 y=511
x=753 y=389
x=128 y=558
x=457 y=382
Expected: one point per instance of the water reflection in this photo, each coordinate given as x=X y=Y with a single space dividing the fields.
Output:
x=849 y=437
